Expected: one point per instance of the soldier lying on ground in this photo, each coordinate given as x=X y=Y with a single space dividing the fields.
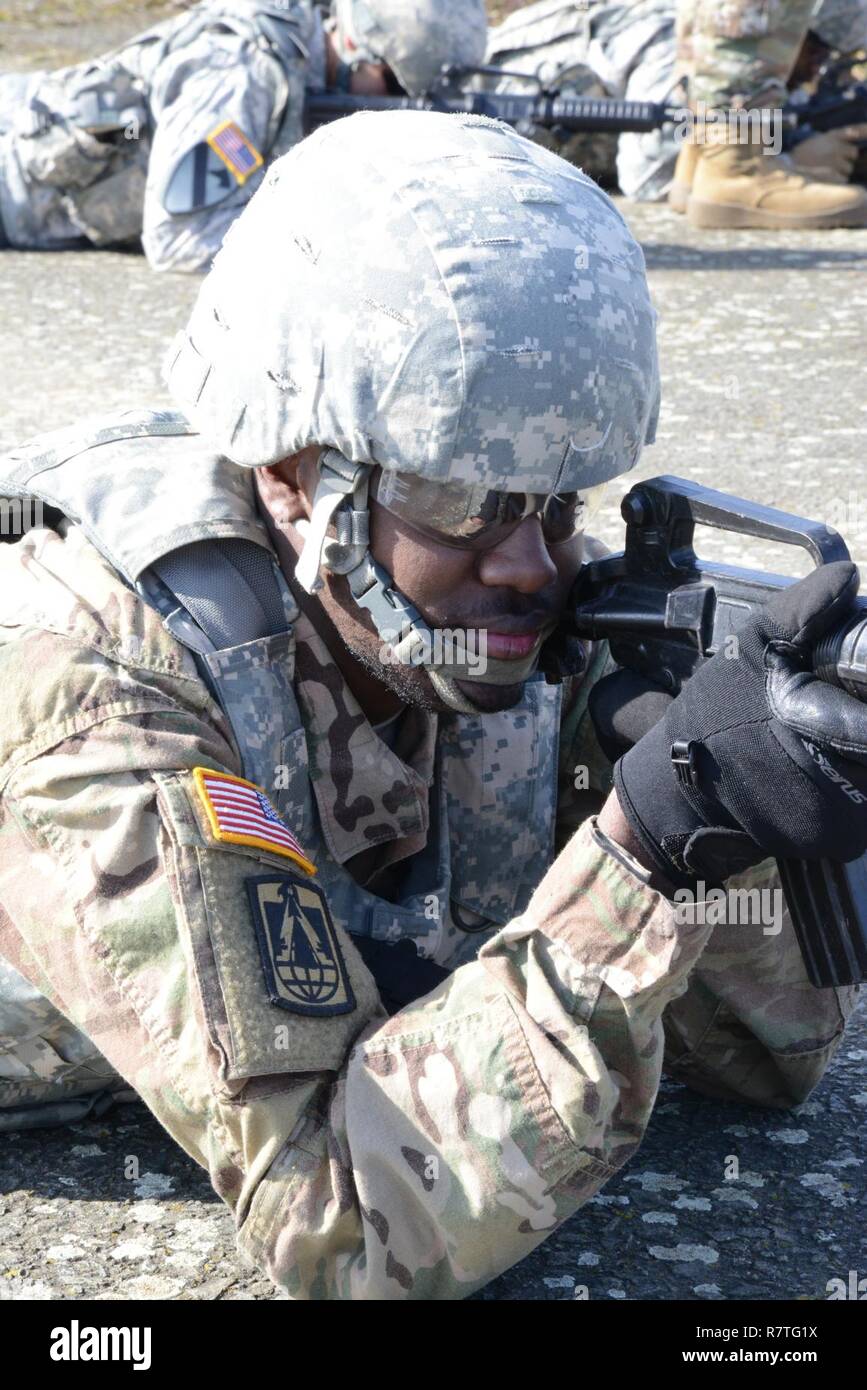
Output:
x=358 y=916
x=629 y=49
x=167 y=137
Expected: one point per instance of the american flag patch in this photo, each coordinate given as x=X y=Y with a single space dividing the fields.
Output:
x=239 y=813
x=235 y=150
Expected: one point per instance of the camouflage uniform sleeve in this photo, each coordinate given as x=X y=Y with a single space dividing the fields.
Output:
x=750 y=1026
x=417 y=1156
x=584 y=773
x=219 y=78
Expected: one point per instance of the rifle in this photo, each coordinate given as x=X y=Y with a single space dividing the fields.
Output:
x=830 y=107
x=839 y=100
x=547 y=110
x=664 y=612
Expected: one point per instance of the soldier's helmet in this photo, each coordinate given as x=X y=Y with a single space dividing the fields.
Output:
x=428 y=293
x=416 y=38
x=438 y=298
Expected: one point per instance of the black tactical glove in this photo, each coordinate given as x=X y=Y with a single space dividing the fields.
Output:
x=624 y=707
x=756 y=757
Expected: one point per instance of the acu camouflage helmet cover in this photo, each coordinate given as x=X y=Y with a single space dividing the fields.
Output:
x=416 y=38
x=432 y=294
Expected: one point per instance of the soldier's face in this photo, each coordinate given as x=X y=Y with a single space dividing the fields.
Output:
x=369 y=80
x=511 y=593
x=505 y=597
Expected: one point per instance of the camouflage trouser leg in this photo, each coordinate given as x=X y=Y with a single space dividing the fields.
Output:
x=13 y=94
x=14 y=88
x=740 y=52
x=50 y=1073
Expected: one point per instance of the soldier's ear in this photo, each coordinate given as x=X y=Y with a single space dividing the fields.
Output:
x=287 y=488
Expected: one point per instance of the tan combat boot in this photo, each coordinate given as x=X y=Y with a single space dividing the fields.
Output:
x=738 y=185
x=684 y=172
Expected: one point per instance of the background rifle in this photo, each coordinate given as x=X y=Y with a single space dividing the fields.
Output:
x=665 y=612
x=525 y=112
x=835 y=103
x=840 y=99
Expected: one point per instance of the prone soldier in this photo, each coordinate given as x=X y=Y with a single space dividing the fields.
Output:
x=359 y=916
x=657 y=50
x=622 y=50
x=167 y=138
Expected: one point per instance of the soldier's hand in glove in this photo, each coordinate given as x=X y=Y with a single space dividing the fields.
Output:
x=830 y=154
x=624 y=707
x=756 y=757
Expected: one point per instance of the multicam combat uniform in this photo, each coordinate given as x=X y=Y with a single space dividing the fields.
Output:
x=90 y=151
x=657 y=50
x=742 y=52
x=362 y=1155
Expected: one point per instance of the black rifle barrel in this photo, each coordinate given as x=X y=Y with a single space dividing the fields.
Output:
x=574 y=114
x=821 y=112
x=831 y=111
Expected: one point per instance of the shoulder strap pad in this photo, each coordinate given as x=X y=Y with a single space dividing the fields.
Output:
x=229 y=587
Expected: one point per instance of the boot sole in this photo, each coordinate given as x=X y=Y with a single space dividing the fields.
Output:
x=728 y=215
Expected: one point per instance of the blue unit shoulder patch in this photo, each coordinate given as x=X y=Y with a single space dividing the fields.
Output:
x=304 y=967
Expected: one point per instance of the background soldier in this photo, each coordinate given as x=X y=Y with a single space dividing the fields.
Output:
x=599 y=49
x=167 y=137
x=629 y=50
x=740 y=55
x=424 y=345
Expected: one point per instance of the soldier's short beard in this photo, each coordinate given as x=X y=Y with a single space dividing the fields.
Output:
x=410 y=683
x=412 y=686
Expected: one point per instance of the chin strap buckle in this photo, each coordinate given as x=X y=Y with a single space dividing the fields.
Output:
x=683 y=759
x=397 y=621
x=339 y=480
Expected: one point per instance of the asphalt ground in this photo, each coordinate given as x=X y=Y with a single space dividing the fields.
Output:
x=763 y=355
x=51 y=33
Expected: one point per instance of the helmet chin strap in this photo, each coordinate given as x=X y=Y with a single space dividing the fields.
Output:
x=447 y=689
x=341 y=498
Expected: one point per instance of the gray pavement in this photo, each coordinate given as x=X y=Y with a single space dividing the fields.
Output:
x=763 y=356
x=53 y=33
